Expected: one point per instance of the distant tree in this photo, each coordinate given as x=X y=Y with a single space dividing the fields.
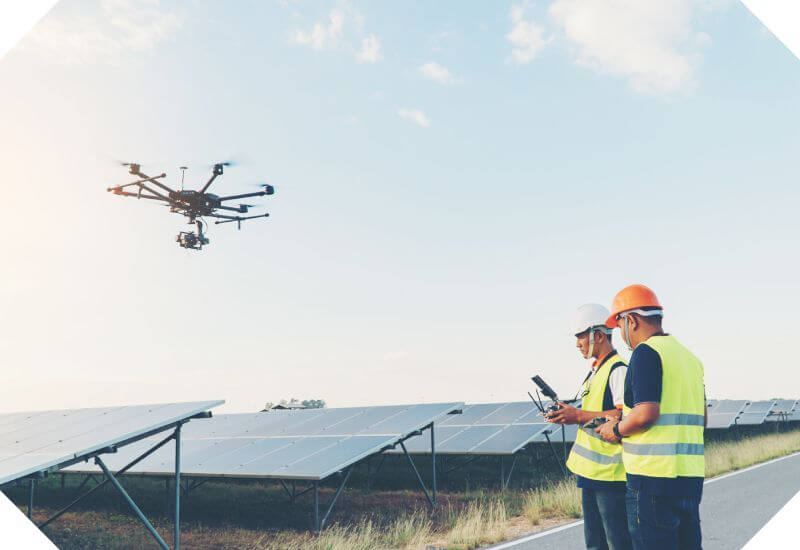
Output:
x=314 y=403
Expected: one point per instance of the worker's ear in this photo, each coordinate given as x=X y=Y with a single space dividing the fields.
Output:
x=635 y=321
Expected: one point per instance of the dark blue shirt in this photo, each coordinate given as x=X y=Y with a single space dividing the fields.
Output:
x=643 y=385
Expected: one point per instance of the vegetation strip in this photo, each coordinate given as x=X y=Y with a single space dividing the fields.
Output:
x=464 y=520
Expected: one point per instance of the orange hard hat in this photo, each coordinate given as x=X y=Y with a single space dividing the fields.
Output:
x=632 y=297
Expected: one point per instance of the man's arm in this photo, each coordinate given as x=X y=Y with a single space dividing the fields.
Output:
x=641 y=417
x=570 y=415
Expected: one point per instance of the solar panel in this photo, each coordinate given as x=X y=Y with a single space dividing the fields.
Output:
x=34 y=442
x=755 y=413
x=306 y=444
x=783 y=410
x=487 y=429
x=724 y=413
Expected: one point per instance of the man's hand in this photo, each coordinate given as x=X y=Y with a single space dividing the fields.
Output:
x=606 y=431
x=565 y=415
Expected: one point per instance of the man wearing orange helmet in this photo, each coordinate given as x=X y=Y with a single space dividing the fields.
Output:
x=661 y=428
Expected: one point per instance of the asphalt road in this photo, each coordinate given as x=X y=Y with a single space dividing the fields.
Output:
x=734 y=507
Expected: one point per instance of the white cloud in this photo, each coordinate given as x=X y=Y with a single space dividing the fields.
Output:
x=650 y=43
x=322 y=36
x=527 y=37
x=416 y=116
x=119 y=26
x=370 y=50
x=437 y=73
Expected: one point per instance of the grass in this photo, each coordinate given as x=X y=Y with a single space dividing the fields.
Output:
x=379 y=515
x=722 y=457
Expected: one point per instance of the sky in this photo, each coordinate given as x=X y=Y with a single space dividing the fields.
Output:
x=452 y=181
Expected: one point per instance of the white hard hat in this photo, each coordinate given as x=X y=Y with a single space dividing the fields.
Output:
x=590 y=316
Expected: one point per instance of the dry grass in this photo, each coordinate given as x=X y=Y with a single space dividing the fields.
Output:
x=559 y=500
x=464 y=520
x=479 y=523
x=729 y=456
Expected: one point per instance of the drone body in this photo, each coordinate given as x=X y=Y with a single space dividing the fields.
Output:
x=191 y=203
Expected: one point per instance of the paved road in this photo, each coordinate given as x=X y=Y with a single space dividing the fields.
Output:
x=734 y=507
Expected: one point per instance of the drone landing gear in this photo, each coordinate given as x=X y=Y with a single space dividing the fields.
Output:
x=188 y=239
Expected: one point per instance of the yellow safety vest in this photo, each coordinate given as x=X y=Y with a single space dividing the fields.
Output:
x=673 y=445
x=591 y=457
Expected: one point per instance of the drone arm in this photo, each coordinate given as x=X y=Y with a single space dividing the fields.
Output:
x=139 y=196
x=159 y=195
x=140 y=182
x=210 y=181
x=161 y=185
x=242 y=196
x=230 y=208
x=229 y=219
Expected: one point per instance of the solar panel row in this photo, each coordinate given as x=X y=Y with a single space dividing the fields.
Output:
x=309 y=444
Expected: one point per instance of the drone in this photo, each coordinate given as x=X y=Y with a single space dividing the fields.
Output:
x=195 y=205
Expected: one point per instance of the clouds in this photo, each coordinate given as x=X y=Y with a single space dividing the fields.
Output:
x=322 y=36
x=119 y=27
x=370 y=50
x=416 y=116
x=437 y=73
x=654 y=45
x=526 y=37
x=329 y=34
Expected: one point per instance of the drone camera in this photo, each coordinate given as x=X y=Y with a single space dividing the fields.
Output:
x=190 y=240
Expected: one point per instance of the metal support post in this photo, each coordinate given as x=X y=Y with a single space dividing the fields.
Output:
x=176 y=538
x=419 y=477
x=32 y=483
x=335 y=497
x=316 y=507
x=132 y=504
x=433 y=464
x=507 y=479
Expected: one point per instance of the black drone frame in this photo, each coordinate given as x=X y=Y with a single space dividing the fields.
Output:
x=190 y=203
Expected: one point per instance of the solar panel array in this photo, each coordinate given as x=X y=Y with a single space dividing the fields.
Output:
x=755 y=413
x=32 y=442
x=307 y=444
x=723 y=413
x=784 y=409
x=490 y=429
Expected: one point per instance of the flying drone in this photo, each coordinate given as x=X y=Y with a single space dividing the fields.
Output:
x=190 y=203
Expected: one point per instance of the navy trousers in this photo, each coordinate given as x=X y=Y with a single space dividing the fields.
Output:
x=663 y=522
x=605 y=525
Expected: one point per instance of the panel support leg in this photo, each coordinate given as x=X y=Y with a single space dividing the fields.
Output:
x=335 y=497
x=32 y=483
x=176 y=537
x=433 y=464
x=132 y=504
x=316 y=507
x=419 y=477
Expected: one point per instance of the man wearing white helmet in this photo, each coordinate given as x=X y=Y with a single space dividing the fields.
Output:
x=597 y=463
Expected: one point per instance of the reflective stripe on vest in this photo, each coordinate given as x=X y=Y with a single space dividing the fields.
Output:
x=591 y=457
x=673 y=446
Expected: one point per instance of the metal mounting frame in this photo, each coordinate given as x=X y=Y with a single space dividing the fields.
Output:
x=111 y=478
